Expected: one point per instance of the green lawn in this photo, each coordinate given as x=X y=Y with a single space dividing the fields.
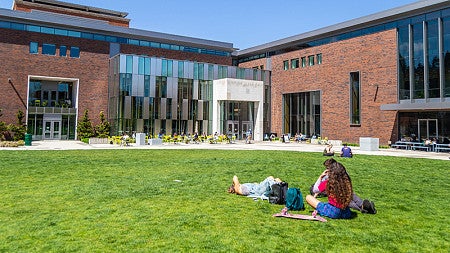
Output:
x=176 y=201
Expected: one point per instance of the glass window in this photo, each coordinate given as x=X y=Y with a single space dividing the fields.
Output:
x=47 y=30
x=141 y=65
x=433 y=59
x=99 y=37
x=196 y=71
x=180 y=69
x=446 y=52
x=164 y=67
x=146 y=86
x=285 y=65
x=4 y=24
x=169 y=68
x=17 y=26
x=111 y=38
x=419 y=61
x=319 y=58
x=311 y=60
x=147 y=66
x=303 y=62
x=355 y=94
x=74 y=34
x=144 y=43
x=34 y=48
x=201 y=71
x=210 y=72
x=403 y=62
x=129 y=64
x=33 y=28
x=63 y=51
x=161 y=86
x=155 y=44
x=49 y=49
x=75 y=52
x=133 y=42
x=294 y=63
x=60 y=32
x=87 y=36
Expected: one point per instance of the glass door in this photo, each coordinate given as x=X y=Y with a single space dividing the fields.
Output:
x=428 y=129
x=52 y=130
x=246 y=128
x=233 y=128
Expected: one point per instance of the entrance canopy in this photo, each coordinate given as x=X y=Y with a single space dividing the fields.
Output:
x=238 y=90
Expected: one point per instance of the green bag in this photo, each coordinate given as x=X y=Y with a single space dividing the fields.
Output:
x=294 y=199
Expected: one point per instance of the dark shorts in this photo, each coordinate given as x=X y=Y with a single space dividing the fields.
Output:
x=333 y=212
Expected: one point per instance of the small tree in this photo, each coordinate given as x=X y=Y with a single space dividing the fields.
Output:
x=19 y=129
x=102 y=129
x=85 y=128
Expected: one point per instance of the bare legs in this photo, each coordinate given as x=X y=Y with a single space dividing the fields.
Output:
x=237 y=185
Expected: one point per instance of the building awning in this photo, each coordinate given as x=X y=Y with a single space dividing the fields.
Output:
x=419 y=106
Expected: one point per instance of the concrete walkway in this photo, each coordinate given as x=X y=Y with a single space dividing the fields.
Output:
x=299 y=147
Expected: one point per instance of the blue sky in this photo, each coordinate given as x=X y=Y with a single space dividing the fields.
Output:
x=244 y=23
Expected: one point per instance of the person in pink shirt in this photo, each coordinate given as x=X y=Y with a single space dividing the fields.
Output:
x=340 y=193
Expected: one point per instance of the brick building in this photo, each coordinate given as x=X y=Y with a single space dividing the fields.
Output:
x=386 y=75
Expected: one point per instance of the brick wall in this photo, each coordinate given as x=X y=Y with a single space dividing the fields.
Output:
x=374 y=56
x=17 y=63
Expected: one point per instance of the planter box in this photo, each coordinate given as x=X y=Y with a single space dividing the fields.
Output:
x=98 y=141
x=155 y=141
x=369 y=144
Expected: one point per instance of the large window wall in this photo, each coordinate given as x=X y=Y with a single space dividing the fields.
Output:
x=424 y=62
x=301 y=113
x=154 y=95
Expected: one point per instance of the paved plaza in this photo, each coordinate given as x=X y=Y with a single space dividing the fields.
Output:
x=265 y=145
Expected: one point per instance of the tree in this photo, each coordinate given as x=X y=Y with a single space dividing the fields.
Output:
x=85 y=128
x=102 y=129
x=19 y=129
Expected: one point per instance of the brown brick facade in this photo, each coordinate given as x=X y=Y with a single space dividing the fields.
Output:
x=17 y=63
x=374 y=56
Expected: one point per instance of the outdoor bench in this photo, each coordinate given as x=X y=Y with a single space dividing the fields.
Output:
x=426 y=148
x=444 y=148
x=399 y=146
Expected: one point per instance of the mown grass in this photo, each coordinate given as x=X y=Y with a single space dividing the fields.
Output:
x=176 y=201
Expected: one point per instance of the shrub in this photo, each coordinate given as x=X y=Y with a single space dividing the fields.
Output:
x=85 y=128
x=102 y=129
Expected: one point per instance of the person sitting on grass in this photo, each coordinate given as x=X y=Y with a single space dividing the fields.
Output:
x=346 y=151
x=364 y=206
x=340 y=193
x=253 y=189
x=328 y=151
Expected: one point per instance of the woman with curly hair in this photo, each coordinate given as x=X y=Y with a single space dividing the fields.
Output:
x=340 y=193
x=357 y=203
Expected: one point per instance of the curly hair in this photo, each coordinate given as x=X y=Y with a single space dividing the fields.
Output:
x=339 y=184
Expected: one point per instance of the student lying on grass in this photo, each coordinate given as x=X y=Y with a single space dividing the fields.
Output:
x=252 y=189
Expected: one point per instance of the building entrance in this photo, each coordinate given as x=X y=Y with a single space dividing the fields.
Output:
x=52 y=130
x=233 y=128
x=246 y=128
x=428 y=129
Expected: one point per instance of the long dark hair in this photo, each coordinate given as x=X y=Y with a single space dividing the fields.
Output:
x=339 y=184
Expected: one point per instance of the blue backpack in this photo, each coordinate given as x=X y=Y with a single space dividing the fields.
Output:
x=294 y=199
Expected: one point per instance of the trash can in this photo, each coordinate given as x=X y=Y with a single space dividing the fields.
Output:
x=28 y=139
